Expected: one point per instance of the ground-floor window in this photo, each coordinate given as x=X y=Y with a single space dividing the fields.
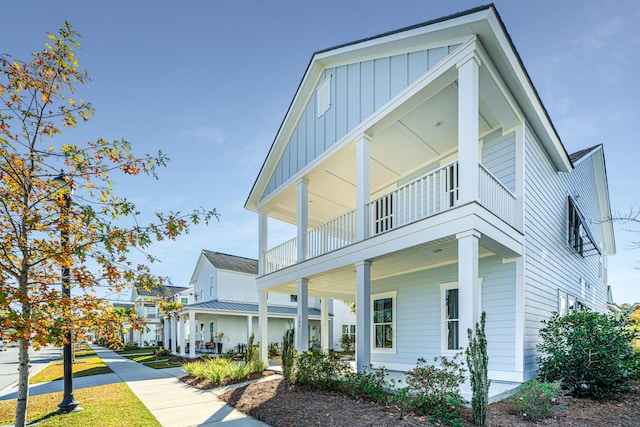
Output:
x=451 y=319
x=383 y=314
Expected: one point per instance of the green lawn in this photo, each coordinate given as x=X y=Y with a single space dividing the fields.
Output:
x=112 y=405
x=156 y=362
x=81 y=368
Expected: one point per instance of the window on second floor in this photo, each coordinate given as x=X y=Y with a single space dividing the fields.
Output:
x=294 y=298
x=579 y=235
x=212 y=284
x=184 y=300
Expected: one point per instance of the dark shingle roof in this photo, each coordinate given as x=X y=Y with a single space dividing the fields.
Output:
x=241 y=306
x=161 y=291
x=231 y=262
x=580 y=154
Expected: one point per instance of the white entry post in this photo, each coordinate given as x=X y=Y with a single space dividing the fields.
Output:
x=468 y=110
x=468 y=288
x=324 y=324
x=262 y=325
x=363 y=166
x=263 y=233
x=302 y=332
x=363 y=315
x=192 y=334
x=182 y=339
x=303 y=218
x=165 y=333
x=174 y=334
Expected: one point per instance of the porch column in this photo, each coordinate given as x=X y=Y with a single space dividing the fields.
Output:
x=303 y=218
x=468 y=129
x=363 y=315
x=263 y=229
x=165 y=333
x=249 y=327
x=262 y=322
x=468 y=291
x=192 y=334
x=302 y=335
x=182 y=339
x=173 y=334
x=363 y=166
x=324 y=324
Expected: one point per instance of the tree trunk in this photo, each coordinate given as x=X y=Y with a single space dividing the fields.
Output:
x=23 y=383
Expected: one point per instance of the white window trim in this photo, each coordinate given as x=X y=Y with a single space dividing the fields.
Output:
x=393 y=350
x=443 y=310
x=323 y=96
x=212 y=283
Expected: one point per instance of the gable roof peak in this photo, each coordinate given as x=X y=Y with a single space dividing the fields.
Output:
x=229 y=262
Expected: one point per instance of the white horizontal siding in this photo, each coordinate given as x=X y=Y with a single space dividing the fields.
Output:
x=549 y=262
x=499 y=157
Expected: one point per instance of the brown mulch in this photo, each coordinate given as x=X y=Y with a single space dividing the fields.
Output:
x=280 y=404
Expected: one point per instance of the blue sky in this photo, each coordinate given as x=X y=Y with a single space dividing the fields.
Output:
x=208 y=82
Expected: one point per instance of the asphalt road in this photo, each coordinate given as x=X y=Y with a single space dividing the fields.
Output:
x=9 y=363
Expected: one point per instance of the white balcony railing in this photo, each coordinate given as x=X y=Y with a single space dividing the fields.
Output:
x=418 y=199
x=428 y=195
x=494 y=196
x=332 y=235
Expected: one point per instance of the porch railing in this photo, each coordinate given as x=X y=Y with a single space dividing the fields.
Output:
x=332 y=235
x=431 y=193
x=494 y=196
x=281 y=256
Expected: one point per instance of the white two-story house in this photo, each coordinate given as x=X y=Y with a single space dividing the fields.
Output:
x=147 y=307
x=222 y=300
x=426 y=181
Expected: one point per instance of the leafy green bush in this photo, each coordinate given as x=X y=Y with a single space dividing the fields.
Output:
x=251 y=353
x=536 y=400
x=478 y=364
x=369 y=384
x=347 y=341
x=288 y=356
x=588 y=352
x=436 y=390
x=321 y=370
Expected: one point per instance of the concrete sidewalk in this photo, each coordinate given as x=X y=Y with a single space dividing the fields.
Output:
x=172 y=402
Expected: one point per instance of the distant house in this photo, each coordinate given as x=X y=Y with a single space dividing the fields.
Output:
x=427 y=183
x=147 y=306
x=223 y=299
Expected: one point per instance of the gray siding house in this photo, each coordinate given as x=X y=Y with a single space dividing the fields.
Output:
x=426 y=182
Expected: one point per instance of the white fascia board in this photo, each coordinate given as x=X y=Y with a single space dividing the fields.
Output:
x=196 y=269
x=604 y=203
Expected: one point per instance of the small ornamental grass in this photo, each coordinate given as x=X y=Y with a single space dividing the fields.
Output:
x=536 y=400
x=221 y=369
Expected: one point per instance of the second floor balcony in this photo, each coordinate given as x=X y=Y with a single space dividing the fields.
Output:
x=416 y=200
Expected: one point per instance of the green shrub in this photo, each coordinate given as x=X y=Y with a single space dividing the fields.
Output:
x=288 y=356
x=536 y=400
x=588 y=352
x=347 y=341
x=478 y=364
x=436 y=390
x=220 y=369
x=251 y=353
x=369 y=384
x=320 y=370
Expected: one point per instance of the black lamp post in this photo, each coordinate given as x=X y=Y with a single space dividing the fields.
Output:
x=68 y=404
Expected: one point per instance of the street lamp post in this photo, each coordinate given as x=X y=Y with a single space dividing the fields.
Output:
x=68 y=404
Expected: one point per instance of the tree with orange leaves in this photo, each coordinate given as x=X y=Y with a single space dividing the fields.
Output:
x=47 y=237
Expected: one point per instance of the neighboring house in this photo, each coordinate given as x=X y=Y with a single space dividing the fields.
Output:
x=222 y=298
x=427 y=183
x=147 y=306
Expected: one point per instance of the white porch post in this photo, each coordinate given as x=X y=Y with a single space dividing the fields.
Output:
x=182 y=339
x=324 y=324
x=468 y=129
x=363 y=315
x=302 y=335
x=192 y=334
x=174 y=334
x=249 y=327
x=468 y=289
x=262 y=322
x=303 y=218
x=363 y=167
x=165 y=333
x=263 y=234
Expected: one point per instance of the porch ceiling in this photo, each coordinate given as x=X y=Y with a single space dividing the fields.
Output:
x=340 y=283
x=407 y=139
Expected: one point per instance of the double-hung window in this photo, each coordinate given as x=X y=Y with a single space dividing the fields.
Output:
x=383 y=307
x=212 y=284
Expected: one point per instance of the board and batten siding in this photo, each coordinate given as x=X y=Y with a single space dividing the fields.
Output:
x=419 y=316
x=550 y=263
x=357 y=90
